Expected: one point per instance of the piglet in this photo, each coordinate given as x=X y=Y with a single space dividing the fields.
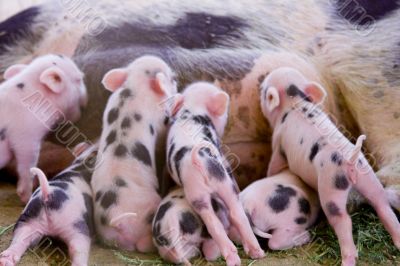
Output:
x=125 y=182
x=283 y=205
x=179 y=233
x=59 y=208
x=33 y=99
x=195 y=162
x=307 y=141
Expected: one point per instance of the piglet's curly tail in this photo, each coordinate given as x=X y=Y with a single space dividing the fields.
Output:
x=44 y=184
x=357 y=149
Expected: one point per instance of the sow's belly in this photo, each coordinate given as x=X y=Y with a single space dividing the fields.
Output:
x=238 y=72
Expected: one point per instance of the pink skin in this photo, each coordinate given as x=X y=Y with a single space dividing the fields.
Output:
x=197 y=182
x=33 y=98
x=317 y=152
x=61 y=222
x=287 y=233
x=140 y=94
x=182 y=246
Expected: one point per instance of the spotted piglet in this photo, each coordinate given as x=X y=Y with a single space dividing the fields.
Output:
x=125 y=182
x=282 y=205
x=33 y=99
x=60 y=208
x=179 y=233
x=308 y=142
x=196 y=164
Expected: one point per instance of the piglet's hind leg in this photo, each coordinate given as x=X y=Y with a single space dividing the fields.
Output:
x=79 y=248
x=370 y=187
x=24 y=237
x=201 y=203
x=241 y=222
x=333 y=202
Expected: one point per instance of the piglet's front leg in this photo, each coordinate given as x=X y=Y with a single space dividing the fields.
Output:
x=26 y=157
x=277 y=163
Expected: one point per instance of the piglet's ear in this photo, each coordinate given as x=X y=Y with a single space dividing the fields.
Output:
x=159 y=84
x=114 y=79
x=177 y=105
x=272 y=98
x=13 y=70
x=218 y=103
x=316 y=92
x=54 y=79
x=80 y=148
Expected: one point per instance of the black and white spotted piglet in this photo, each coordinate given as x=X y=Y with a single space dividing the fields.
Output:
x=125 y=182
x=196 y=164
x=179 y=233
x=307 y=141
x=59 y=208
x=282 y=205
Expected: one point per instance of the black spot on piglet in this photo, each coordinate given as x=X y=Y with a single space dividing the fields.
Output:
x=166 y=120
x=111 y=137
x=341 y=182
x=162 y=210
x=120 y=182
x=304 y=206
x=336 y=158
x=82 y=227
x=188 y=223
x=59 y=184
x=199 y=204
x=88 y=215
x=137 y=117
x=125 y=93
x=284 y=117
x=98 y=195
x=333 y=209
x=178 y=158
x=109 y=198
x=280 y=201
x=314 y=151
x=301 y=220
x=32 y=210
x=120 y=150
x=56 y=199
x=159 y=238
x=140 y=152
x=112 y=115
x=294 y=91
x=215 y=169
x=3 y=134
x=126 y=123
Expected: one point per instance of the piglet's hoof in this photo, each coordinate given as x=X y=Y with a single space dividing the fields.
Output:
x=24 y=193
x=233 y=259
x=256 y=253
x=349 y=261
x=7 y=259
